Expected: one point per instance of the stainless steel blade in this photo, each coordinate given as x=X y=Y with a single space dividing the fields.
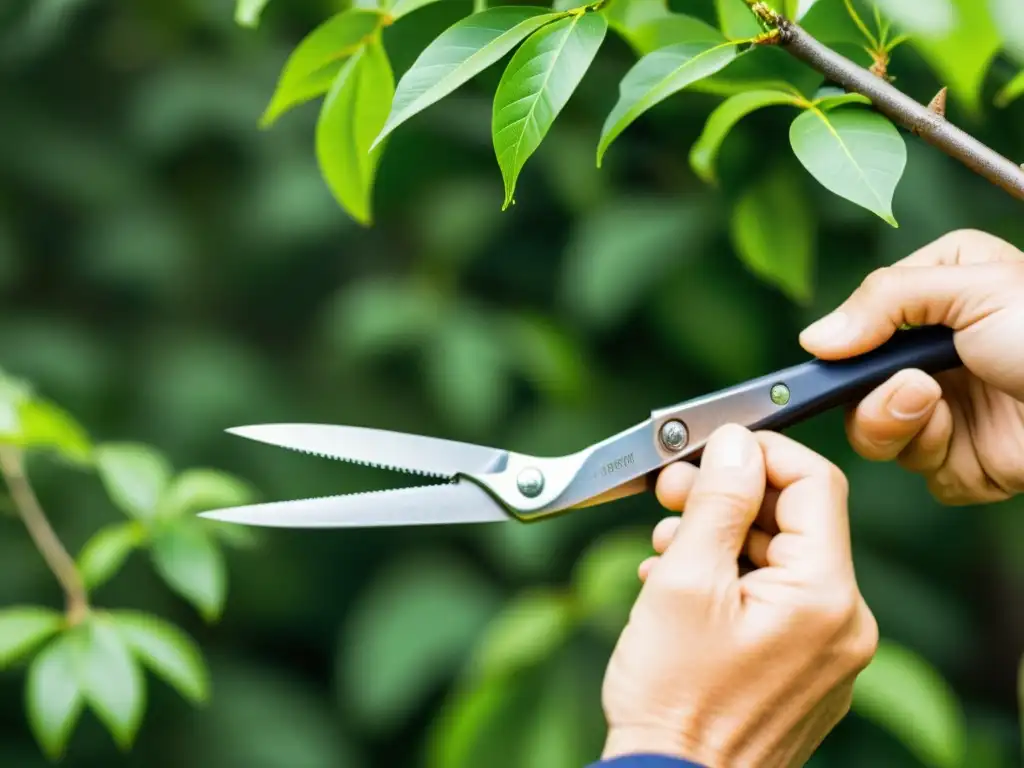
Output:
x=379 y=448
x=461 y=502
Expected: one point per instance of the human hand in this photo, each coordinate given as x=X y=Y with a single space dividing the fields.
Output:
x=962 y=430
x=748 y=670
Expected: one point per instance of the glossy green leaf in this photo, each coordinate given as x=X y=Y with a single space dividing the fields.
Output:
x=704 y=151
x=23 y=628
x=352 y=115
x=43 y=425
x=1011 y=91
x=857 y=154
x=248 y=12
x=53 y=698
x=192 y=565
x=919 y=17
x=441 y=603
x=1008 y=16
x=528 y=630
x=315 y=62
x=110 y=679
x=105 y=553
x=481 y=724
x=605 y=579
x=538 y=82
x=773 y=232
x=13 y=394
x=904 y=694
x=167 y=651
x=657 y=76
x=961 y=58
x=134 y=475
x=463 y=50
x=199 y=490
x=622 y=250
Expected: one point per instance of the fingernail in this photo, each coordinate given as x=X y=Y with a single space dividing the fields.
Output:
x=827 y=331
x=913 y=399
x=731 y=447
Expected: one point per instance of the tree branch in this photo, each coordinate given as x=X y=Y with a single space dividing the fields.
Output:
x=12 y=467
x=896 y=105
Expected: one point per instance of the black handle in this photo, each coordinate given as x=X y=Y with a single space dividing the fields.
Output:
x=818 y=386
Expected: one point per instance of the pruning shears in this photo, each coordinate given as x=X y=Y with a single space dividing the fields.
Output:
x=483 y=484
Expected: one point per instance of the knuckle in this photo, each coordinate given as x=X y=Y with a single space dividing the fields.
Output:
x=682 y=584
x=864 y=643
x=838 y=481
x=879 y=280
x=832 y=611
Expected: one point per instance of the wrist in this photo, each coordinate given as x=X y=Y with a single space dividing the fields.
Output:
x=653 y=740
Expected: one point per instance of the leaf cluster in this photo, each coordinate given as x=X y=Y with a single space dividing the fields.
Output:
x=96 y=660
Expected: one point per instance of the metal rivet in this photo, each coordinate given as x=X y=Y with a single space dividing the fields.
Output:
x=780 y=394
x=530 y=482
x=674 y=435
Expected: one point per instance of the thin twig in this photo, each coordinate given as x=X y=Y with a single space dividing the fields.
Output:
x=900 y=108
x=12 y=466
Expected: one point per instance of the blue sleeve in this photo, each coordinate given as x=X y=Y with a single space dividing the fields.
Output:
x=645 y=761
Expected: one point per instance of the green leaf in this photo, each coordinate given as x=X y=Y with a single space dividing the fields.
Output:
x=169 y=652
x=192 y=565
x=605 y=579
x=110 y=679
x=316 y=61
x=463 y=50
x=535 y=87
x=199 y=490
x=857 y=154
x=669 y=30
x=657 y=76
x=134 y=475
x=352 y=114
x=773 y=232
x=962 y=57
x=405 y=7
x=1011 y=91
x=1008 y=16
x=105 y=553
x=528 y=631
x=830 y=97
x=23 y=628
x=43 y=425
x=248 y=12
x=704 y=151
x=53 y=699
x=736 y=19
x=619 y=252
x=904 y=694
x=13 y=394
x=627 y=15
x=919 y=17
x=442 y=604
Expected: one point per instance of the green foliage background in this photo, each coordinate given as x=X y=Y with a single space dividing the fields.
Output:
x=168 y=270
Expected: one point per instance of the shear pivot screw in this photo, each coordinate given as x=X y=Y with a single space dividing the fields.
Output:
x=530 y=482
x=674 y=435
x=780 y=394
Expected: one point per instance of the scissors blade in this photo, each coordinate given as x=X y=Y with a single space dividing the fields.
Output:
x=452 y=503
x=379 y=448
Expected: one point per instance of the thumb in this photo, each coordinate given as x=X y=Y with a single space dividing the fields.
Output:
x=956 y=296
x=723 y=504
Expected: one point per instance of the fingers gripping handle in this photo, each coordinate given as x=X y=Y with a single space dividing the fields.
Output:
x=787 y=397
x=819 y=385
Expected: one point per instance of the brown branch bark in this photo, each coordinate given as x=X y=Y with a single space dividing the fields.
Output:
x=896 y=105
x=12 y=467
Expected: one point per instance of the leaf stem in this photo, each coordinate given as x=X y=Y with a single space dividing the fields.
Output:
x=12 y=467
x=902 y=109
